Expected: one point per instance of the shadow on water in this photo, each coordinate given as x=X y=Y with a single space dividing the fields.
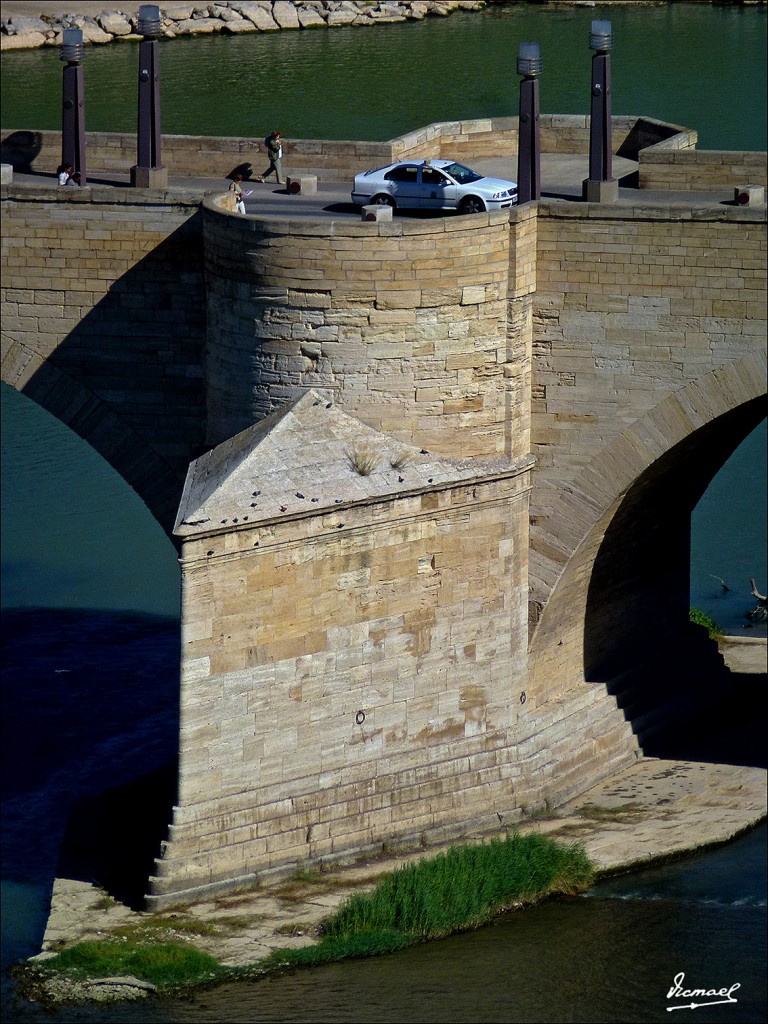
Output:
x=113 y=838
x=90 y=732
x=731 y=730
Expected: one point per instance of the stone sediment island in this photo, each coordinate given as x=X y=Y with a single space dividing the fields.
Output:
x=235 y=16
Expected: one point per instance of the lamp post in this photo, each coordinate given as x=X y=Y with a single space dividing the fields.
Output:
x=73 y=102
x=149 y=172
x=600 y=186
x=528 y=148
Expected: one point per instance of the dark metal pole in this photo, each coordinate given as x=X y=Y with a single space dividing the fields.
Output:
x=600 y=186
x=148 y=142
x=600 y=142
x=529 y=148
x=149 y=171
x=73 y=103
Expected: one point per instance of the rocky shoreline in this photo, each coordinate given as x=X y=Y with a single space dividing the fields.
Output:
x=22 y=32
x=30 y=26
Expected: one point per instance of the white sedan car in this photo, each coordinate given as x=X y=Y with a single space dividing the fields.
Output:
x=433 y=185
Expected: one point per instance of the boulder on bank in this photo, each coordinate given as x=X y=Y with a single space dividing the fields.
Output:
x=27 y=41
x=260 y=17
x=284 y=13
x=22 y=26
x=115 y=24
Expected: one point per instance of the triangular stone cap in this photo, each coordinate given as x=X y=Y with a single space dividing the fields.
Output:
x=307 y=457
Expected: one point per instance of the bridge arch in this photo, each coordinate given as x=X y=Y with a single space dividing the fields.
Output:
x=91 y=417
x=620 y=601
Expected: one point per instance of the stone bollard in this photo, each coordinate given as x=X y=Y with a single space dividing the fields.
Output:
x=377 y=212
x=749 y=195
x=6 y=174
x=149 y=177
x=600 y=191
x=306 y=184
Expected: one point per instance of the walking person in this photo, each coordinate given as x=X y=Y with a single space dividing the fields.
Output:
x=237 y=188
x=274 y=145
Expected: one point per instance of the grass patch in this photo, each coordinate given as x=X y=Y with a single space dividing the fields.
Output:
x=364 y=460
x=165 y=964
x=105 y=902
x=330 y=950
x=292 y=928
x=146 y=926
x=463 y=888
x=701 y=618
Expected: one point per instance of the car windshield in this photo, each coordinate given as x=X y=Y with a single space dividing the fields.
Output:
x=461 y=173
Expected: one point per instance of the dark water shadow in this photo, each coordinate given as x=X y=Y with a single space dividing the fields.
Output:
x=89 y=731
x=112 y=839
x=731 y=730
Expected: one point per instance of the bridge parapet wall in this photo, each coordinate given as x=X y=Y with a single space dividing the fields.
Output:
x=686 y=170
x=404 y=324
x=340 y=160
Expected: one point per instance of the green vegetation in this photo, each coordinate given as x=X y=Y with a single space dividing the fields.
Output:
x=463 y=887
x=454 y=891
x=702 y=619
x=164 y=964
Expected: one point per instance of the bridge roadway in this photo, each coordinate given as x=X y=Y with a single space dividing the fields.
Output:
x=562 y=176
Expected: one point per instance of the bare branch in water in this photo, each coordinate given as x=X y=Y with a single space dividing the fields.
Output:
x=722 y=583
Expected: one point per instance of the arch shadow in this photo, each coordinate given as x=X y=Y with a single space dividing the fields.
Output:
x=606 y=631
x=666 y=674
x=129 y=376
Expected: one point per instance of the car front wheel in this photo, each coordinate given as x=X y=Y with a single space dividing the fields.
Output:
x=471 y=204
x=382 y=199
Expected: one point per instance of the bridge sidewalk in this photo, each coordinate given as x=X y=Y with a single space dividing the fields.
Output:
x=562 y=176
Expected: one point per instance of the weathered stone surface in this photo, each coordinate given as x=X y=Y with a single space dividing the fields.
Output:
x=260 y=17
x=92 y=32
x=115 y=24
x=24 y=41
x=21 y=26
x=199 y=26
x=285 y=14
x=342 y=17
x=310 y=18
x=235 y=25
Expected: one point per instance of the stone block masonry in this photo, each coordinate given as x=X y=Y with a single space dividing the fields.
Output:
x=346 y=671
x=404 y=324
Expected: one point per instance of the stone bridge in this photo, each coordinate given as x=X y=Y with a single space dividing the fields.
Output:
x=435 y=536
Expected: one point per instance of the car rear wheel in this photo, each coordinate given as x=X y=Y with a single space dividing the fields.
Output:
x=471 y=204
x=382 y=199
